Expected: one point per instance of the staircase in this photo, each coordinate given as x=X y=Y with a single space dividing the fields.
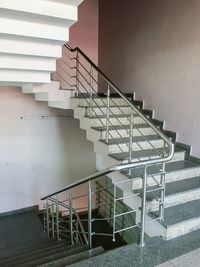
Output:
x=123 y=133
x=147 y=184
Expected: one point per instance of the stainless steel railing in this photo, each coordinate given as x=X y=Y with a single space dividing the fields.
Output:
x=118 y=119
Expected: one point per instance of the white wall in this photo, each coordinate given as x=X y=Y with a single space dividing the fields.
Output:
x=153 y=48
x=38 y=156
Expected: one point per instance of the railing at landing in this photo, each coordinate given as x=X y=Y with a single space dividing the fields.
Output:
x=61 y=216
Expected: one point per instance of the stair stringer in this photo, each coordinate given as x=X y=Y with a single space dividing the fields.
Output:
x=51 y=93
x=103 y=160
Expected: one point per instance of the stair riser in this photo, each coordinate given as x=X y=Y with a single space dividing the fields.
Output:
x=116 y=121
x=103 y=101
x=170 y=177
x=182 y=228
x=44 y=88
x=102 y=111
x=41 y=97
x=176 y=199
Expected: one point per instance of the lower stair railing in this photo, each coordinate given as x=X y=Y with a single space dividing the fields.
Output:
x=61 y=217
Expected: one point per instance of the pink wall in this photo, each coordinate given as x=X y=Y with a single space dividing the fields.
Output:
x=84 y=33
x=153 y=48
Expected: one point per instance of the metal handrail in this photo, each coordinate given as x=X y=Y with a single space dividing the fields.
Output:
x=121 y=166
x=142 y=161
x=114 y=169
x=161 y=134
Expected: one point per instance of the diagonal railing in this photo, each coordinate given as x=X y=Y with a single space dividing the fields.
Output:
x=124 y=125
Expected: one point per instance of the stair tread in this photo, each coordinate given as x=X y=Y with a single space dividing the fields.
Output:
x=112 y=116
x=180 y=213
x=16 y=251
x=177 y=187
x=170 y=167
x=71 y=250
x=74 y=258
x=139 y=153
x=25 y=256
x=121 y=127
x=114 y=141
x=105 y=106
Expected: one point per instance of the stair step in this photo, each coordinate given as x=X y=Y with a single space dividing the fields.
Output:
x=181 y=219
x=120 y=127
x=124 y=140
x=144 y=143
x=146 y=154
x=74 y=258
x=103 y=110
x=102 y=101
x=45 y=259
x=175 y=171
x=122 y=131
x=175 y=193
x=119 y=119
x=16 y=251
x=34 y=254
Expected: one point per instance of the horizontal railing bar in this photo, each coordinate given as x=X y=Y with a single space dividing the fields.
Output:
x=102 y=204
x=121 y=198
x=124 y=229
x=128 y=212
x=102 y=189
x=81 y=208
x=84 y=195
x=94 y=233
x=112 y=169
x=101 y=219
x=64 y=235
x=157 y=189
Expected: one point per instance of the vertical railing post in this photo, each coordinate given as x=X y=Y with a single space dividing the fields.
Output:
x=114 y=212
x=89 y=215
x=71 y=218
x=77 y=75
x=57 y=218
x=143 y=206
x=162 y=198
x=77 y=232
x=47 y=216
x=108 y=113
x=91 y=92
x=130 y=139
x=98 y=198
x=52 y=220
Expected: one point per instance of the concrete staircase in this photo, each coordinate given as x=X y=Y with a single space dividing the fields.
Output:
x=50 y=253
x=31 y=37
x=182 y=172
